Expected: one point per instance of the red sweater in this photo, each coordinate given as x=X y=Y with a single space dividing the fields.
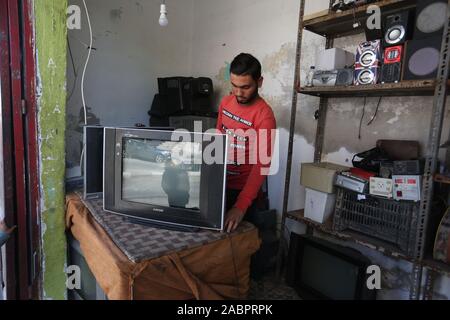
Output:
x=249 y=151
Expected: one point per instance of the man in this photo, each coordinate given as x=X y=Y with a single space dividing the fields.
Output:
x=244 y=115
x=5 y=232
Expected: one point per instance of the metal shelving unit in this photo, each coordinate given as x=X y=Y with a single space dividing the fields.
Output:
x=331 y=26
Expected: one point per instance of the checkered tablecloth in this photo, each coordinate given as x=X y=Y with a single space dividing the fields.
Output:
x=140 y=242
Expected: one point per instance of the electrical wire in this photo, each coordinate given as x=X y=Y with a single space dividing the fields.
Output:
x=376 y=112
x=83 y=76
x=86 y=63
x=74 y=71
x=362 y=118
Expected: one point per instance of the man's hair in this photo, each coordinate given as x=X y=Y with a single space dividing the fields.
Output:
x=245 y=64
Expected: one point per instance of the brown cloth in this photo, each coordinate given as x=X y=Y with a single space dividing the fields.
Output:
x=214 y=271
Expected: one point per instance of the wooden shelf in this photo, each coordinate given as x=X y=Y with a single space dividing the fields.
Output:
x=366 y=241
x=341 y=24
x=404 y=88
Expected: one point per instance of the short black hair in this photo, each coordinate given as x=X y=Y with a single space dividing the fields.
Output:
x=245 y=64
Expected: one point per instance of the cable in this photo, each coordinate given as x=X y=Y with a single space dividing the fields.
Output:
x=87 y=62
x=84 y=74
x=362 y=118
x=74 y=70
x=376 y=112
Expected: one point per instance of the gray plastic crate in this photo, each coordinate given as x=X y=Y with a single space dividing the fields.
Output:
x=388 y=220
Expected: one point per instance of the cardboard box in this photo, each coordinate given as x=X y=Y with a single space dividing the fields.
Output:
x=319 y=206
x=334 y=59
x=320 y=176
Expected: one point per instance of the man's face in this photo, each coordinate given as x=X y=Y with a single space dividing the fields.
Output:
x=245 y=88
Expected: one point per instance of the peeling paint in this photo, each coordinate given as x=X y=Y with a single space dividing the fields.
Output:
x=116 y=14
x=51 y=75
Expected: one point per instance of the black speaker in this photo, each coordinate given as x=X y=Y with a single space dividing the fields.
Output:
x=421 y=60
x=199 y=95
x=431 y=16
x=397 y=28
x=173 y=89
x=391 y=72
x=345 y=77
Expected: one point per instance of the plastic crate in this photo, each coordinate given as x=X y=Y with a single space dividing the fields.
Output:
x=388 y=220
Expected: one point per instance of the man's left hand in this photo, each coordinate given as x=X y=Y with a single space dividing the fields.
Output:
x=233 y=219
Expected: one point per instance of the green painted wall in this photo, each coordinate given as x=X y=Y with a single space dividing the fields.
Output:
x=51 y=31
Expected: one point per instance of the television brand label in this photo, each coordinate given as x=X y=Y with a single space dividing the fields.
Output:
x=158 y=210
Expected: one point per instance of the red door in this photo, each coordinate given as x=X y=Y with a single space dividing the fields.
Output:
x=17 y=73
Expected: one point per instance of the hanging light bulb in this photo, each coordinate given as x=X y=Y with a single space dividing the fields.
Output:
x=163 y=17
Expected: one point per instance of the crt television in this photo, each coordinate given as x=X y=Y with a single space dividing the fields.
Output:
x=320 y=270
x=165 y=178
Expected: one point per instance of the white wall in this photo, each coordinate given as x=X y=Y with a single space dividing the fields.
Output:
x=132 y=50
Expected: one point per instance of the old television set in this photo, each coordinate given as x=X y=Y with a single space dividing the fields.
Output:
x=92 y=156
x=170 y=179
x=320 y=270
x=93 y=161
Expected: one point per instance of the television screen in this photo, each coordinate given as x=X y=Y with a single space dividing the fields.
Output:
x=165 y=178
x=160 y=173
x=318 y=269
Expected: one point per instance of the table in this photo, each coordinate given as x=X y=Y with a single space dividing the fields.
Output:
x=214 y=268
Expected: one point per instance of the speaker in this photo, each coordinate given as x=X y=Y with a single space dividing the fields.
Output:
x=391 y=70
x=368 y=54
x=431 y=17
x=397 y=28
x=344 y=77
x=367 y=63
x=421 y=59
x=199 y=94
x=367 y=76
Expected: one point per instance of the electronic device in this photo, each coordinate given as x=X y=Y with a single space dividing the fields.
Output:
x=334 y=59
x=381 y=187
x=341 y=77
x=421 y=59
x=200 y=93
x=165 y=178
x=342 y=5
x=368 y=57
x=391 y=69
x=386 y=169
x=345 y=77
x=318 y=269
x=89 y=288
x=193 y=123
x=431 y=17
x=93 y=161
x=324 y=78
x=409 y=167
x=349 y=181
x=367 y=76
x=398 y=28
x=407 y=187
x=183 y=96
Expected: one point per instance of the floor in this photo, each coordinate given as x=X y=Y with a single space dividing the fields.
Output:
x=268 y=288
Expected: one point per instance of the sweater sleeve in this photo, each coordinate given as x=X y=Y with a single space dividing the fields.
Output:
x=260 y=170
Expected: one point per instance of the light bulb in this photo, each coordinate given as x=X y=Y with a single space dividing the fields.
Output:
x=163 y=18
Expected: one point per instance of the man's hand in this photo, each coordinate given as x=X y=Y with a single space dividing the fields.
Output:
x=233 y=218
x=4 y=227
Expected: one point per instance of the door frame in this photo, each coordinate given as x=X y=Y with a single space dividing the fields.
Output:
x=17 y=70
